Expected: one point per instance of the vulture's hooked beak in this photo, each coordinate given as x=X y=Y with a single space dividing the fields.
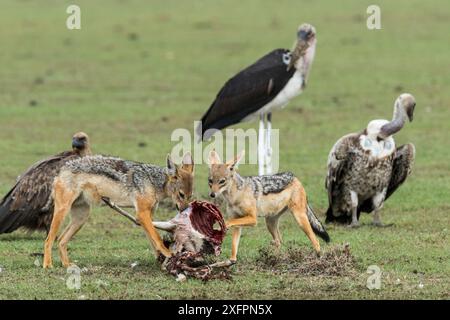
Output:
x=410 y=112
x=409 y=104
x=78 y=144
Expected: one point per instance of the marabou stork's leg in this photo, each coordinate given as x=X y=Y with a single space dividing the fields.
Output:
x=261 y=146
x=268 y=147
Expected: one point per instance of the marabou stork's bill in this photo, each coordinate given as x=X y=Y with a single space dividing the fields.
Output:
x=365 y=168
x=29 y=203
x=268 y=84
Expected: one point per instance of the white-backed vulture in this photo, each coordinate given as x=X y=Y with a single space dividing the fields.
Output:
x=365 y=168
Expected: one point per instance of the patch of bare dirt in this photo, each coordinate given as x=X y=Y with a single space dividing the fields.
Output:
x=334 y=261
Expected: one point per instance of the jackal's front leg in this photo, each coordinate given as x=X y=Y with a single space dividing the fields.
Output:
x=236 y=236
x=249 y=220
x=144 y=216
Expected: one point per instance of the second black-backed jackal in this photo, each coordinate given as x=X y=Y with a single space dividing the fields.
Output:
x=87 y=181
x=268 y=195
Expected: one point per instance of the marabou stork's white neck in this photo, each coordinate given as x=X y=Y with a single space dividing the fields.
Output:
x=303 y=65
x=302 y=54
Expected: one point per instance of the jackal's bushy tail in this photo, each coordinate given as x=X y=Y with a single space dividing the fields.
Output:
x=316 y=225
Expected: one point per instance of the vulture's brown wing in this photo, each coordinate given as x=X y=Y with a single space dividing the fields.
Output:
x=401 y=168
x=340 y=156
x=28 y=203
x=403 y=162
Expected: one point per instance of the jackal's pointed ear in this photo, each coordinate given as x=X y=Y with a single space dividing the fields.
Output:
x=214 y=158
x=188 y=163
x=233 y=163
x=172 y=167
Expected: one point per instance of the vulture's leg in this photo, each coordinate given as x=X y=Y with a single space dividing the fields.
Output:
x=376 y=218
x=354 y=199
x=261 y=147
x=268 y=148
x=378 y=202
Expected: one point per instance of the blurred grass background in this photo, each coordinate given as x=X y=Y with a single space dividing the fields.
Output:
x=139 y=69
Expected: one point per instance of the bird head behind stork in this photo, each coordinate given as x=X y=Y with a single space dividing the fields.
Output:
x=80 y=143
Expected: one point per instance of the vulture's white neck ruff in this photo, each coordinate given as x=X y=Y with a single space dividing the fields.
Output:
x=378 y=149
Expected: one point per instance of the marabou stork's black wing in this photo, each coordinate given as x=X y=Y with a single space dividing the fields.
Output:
x=248 y=91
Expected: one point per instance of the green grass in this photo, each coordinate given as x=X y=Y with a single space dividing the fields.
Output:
x=137 y=70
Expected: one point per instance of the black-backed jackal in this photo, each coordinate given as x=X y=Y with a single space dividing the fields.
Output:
x=86 y=181
x=268 y=195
